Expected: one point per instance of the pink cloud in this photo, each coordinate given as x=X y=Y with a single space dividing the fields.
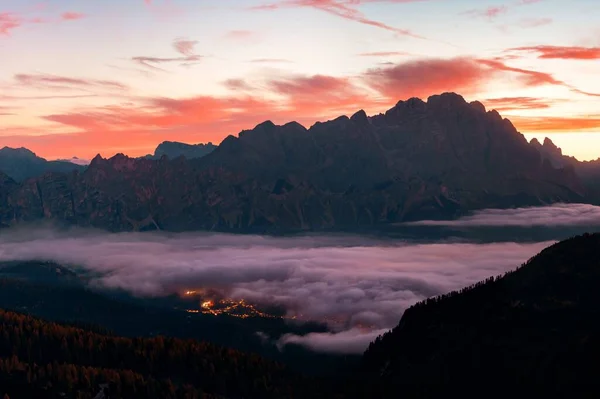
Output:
x=344 y=9
x=490 y=12
x=8 y=22
x=71 y=16
x=61 y=82
x=240 y=34
x=271 y=61
x=183 y=46
x=534 y=22
x=383 y=54
x=493 y=12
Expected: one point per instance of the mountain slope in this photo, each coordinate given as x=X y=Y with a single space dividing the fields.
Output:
x=587 y=171
x=21 y=164
x=434 y=159
x=536 y=329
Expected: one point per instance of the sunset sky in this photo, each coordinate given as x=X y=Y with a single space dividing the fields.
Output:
x=81 y=77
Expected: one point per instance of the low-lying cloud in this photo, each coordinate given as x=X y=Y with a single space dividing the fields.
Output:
x=552 y=215
x=345 y=342
x=359 y=286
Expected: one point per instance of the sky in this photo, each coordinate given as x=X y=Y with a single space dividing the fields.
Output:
x=79 y=78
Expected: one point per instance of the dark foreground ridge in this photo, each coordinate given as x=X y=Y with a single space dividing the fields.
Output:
x=534 y=331
x=435 y=159
x=41 y=359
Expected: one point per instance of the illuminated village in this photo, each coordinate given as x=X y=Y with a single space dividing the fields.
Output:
x=242 y=309
x=237 y=308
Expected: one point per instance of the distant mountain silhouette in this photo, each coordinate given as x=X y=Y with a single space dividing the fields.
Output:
x=174 y=149
x=535 y=331
x=76 y=161
x=587 y=171
x=435 y=159
x=21 y=164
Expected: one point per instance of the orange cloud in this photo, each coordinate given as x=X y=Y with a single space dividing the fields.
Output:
x=422 y=78
x=556 y=124
x=562 y=52
x=518 y=103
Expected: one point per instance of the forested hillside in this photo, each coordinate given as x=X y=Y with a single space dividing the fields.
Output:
x=534 y=330
x=43 y=359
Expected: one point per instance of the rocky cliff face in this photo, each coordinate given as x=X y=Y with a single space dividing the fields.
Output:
x=433 y=159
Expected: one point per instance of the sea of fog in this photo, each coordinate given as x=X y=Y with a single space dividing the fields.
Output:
x=359 y=284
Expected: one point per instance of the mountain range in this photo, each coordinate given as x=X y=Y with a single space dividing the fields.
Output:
x=21 y=164
x=437 y=159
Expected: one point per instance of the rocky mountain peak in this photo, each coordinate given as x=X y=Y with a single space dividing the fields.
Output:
x=97 y=160
x=551 y=148
x=478 y=106
x=360 y=117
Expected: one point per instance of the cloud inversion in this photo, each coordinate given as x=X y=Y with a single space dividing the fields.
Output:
x=359 y=286
x=553 y=215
